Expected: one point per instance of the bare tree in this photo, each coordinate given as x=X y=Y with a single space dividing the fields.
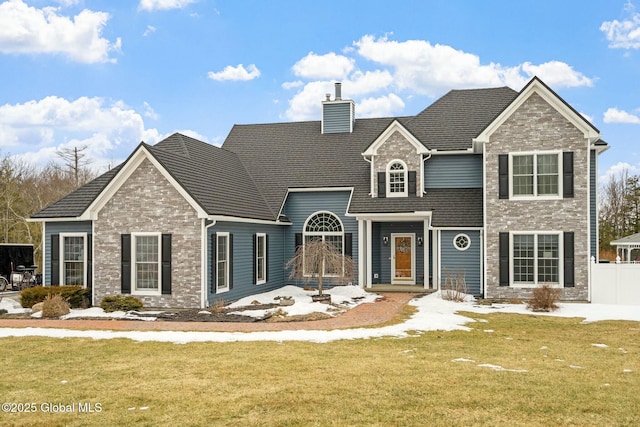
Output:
x=619 y=207
x=76 y=163
x=318 y=258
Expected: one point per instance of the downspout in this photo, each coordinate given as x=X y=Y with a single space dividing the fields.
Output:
x=424 y=159
x=370 y=161
x=204 y=300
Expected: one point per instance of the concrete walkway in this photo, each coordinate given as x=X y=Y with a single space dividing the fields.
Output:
x=364 y=315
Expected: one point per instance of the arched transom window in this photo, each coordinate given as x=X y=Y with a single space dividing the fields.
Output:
x=396 y=179
x=327 y=227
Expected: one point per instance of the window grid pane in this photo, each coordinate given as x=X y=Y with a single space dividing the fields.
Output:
x=548 y=259
x=147 y=256
x=523 y=258
x=222 y=265
x=260 y=258
x=522 y=175
x=547 y=169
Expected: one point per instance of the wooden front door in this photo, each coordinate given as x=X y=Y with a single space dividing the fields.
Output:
x=403 y=259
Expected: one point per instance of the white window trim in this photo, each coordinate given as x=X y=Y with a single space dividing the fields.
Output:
x=322 y=234
x=62 y=258
x=261 y=239
x=134 y=284
x=536 y=283
x=388 y=172
x=220 y=234
x=535 y=195
x=462 y=235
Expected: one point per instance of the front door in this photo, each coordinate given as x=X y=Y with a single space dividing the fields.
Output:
x=403 y=260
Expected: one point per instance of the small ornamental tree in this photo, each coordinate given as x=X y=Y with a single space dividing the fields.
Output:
x=317 y=259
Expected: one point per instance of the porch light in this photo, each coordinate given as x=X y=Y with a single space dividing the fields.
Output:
x=385 y=240
x=419 y=241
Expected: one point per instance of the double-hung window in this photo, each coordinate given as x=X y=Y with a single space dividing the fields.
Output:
x=327 y=227
x=397 y=179
x=146 y=263
x=261 y=258
x=74 y=259
x=536 y=175
x=222 y=261
x=536 y=258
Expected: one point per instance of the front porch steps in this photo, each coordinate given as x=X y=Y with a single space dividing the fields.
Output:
x=407 y=289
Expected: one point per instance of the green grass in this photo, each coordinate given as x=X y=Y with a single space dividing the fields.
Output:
x=378 y=382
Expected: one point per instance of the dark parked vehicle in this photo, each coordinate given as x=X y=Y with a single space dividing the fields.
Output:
x=17 y=270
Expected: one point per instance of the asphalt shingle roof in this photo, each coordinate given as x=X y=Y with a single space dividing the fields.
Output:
x=250 y=175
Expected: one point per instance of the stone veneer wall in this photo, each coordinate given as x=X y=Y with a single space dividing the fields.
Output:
x=537 y=126
x=147 y=202
x=396 y=147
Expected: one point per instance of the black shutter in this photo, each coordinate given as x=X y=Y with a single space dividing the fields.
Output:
x=348 y=244
x=298 y=242
x=230 y=261
x=214 y=265
x=412 y=183
x=569 y=273
x=55 y=259
x=166 y=264
x=503 y=176
x=125 y=259
x=255 y=258
x=504 y=259
x=567 y=174
x=266 y=257
x=382 y=184
x=89 y=261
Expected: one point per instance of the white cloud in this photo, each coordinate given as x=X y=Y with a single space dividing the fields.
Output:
x=236 y=73
x=151 y=5
x=28 y=30
x=623 y=34
x=324 y=67
x=292 y=85
x=38 y=128
x=150 y=112
x=412 y=67
x=617 y=170
x=613 y=115
x=149 y=30
x=430 y=69
x=388 y=105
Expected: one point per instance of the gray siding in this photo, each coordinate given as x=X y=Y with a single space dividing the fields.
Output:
x=57 y=228
x=337 y=117
x=383 y=264
x=454 y=261
x=453 y=171
x=593 y=204
x=299 y=206
x=243 y=280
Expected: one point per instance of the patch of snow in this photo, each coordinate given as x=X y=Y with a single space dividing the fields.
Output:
x=626 y=371
x=463 y=359
x=432 y=314
x=600 y=345
x=489 y=331
x=500 y=368
x=13 y=306
x=575 y=367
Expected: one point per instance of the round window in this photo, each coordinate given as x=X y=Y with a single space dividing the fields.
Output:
x=462 y=242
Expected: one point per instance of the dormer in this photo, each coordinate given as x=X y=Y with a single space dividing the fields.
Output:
x=396 y=159
x=338 y=116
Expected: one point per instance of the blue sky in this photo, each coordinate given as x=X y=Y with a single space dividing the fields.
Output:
x=107 y=74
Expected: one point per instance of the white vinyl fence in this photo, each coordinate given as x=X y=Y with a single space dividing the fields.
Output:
x=615 y=283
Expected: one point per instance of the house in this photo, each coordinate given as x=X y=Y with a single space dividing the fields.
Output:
x=628 y=248
x=492 y=185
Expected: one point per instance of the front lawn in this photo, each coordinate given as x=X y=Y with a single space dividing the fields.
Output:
x=510 y=370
